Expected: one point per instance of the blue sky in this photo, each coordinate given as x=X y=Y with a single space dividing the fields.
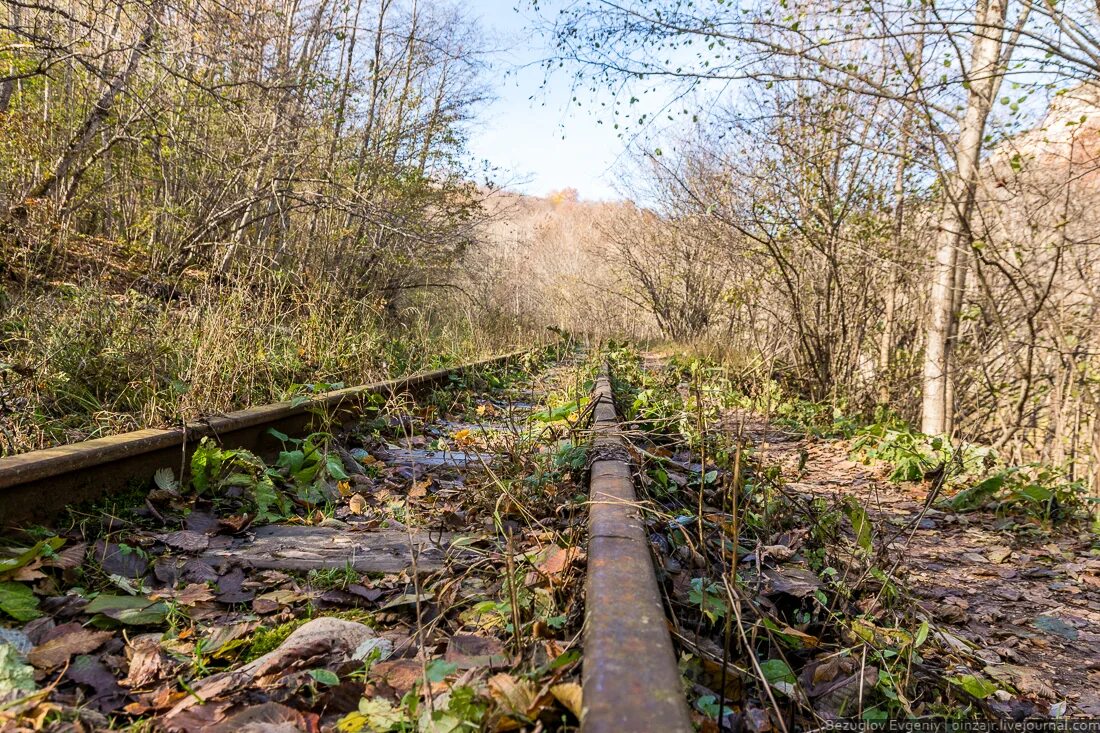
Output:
x=534 y=135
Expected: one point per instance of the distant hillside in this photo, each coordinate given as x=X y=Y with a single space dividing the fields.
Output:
x=546 y=259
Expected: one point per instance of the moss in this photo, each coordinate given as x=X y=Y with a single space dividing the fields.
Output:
x=266 y=640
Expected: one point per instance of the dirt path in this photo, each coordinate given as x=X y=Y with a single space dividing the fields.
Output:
x=1022 y=605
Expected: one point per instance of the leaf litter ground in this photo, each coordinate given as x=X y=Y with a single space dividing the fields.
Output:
x=851 y=598
x=419 y=572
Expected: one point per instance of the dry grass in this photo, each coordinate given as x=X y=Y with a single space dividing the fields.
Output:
x=76 y=363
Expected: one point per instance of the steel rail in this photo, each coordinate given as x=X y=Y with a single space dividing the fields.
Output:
x=38 y=484
x=630 y=678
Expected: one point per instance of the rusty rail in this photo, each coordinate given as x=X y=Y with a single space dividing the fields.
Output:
x=630 y=677
x=38 y=484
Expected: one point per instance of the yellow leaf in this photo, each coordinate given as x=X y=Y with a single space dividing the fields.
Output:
x=569 y=695
x=344 y=487
x=463 y=434
x=420 y=488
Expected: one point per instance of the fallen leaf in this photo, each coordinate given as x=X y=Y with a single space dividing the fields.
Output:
x=230 y=590
x=18 y=601
x=825 y=672
x=400 y=674
x=569 y=695
x=185 y=540
x=837 y=698
x=117 y=559
x=148 y=662
x=377 y=714
x=284 y=597
x=420 y=489
x=198 y=521
x=357 y=504
x=268 y=716
x=68 y=558
x=515 y=696
x=133 y=610
x=29 y=573
x=469 y=651
x=198 y=571
x=194 y=593
x=793 y=581
x=974 y=685
x=323 y=641
x=221 y=637
x=58 y=650
x=556 y=559
x=14 y=675
x=998 y=555
x=799 y=638
x=237 y=523
x=107 y=696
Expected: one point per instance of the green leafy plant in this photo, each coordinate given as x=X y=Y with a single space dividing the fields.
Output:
x=238 y=476
x=707 y=597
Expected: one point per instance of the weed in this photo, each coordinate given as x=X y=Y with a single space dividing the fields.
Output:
x=332 y=578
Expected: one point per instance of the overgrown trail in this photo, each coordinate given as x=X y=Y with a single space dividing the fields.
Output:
x=418 y=571
x=1015 y=602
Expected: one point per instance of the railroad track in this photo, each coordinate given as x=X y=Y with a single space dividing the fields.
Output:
x=38 y=484
x=444 y=515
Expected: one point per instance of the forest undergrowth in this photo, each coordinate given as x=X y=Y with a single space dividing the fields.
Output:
x=793 y=607
x=150 y=612
x=79 y=361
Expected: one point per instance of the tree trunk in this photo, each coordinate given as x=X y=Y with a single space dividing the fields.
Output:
x=984 y=79
x=99 y=113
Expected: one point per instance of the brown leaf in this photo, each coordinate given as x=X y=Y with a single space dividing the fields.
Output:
x=324 y=641
x=807 y=640
x=223 y=634
x=58 y=650
x=237 y=524
x=29 y=572
x=68 y=558
x=514 y=696
x=556 y=559
x=469 y=651
x=791 y=580
x=285 y=597
x=840 y=695
x=420 y=488
x=1025 y=679
x=400 y=674
x=148 y=662
x=107 y=696
x=269 y=716
x=357 y=504
x=185 y=540
x=117 y=560
x=194 y=593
